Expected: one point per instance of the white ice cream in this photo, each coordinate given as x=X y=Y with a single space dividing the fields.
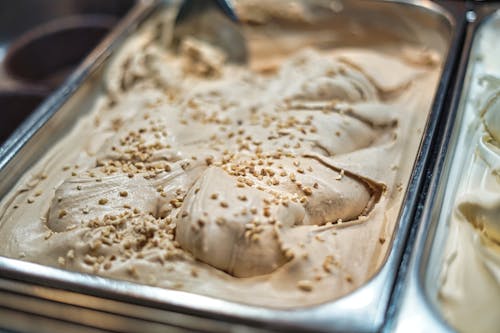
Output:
x=469 y=290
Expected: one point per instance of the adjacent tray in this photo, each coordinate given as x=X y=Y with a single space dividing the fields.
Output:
x=360 y=311
x=414 y=305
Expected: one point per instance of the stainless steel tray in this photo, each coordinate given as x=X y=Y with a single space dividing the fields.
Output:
x=414 y=305
x=360 y=311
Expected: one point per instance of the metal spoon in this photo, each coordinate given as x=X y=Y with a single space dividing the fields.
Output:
x=213 y=21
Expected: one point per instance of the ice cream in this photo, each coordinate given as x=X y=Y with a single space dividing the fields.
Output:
x=469 y=291
x=275 y=184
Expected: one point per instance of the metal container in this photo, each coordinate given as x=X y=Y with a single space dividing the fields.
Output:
x=41 y=43
x=101 y=298
x=414 y=304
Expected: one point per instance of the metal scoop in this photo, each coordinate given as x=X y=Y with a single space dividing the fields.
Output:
x=212 y=21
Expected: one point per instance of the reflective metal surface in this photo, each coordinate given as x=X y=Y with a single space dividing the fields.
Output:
x=414 y=306
x=74 y=312
x=360 y=311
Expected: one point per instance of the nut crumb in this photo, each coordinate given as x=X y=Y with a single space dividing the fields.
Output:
x=132 y=271
x=329 y=260
x=62 y=213
x=307 y=191
x=305 y=285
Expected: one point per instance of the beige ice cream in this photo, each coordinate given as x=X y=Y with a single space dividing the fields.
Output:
x=470 y=287
x=275 y=184
x=469 y=291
